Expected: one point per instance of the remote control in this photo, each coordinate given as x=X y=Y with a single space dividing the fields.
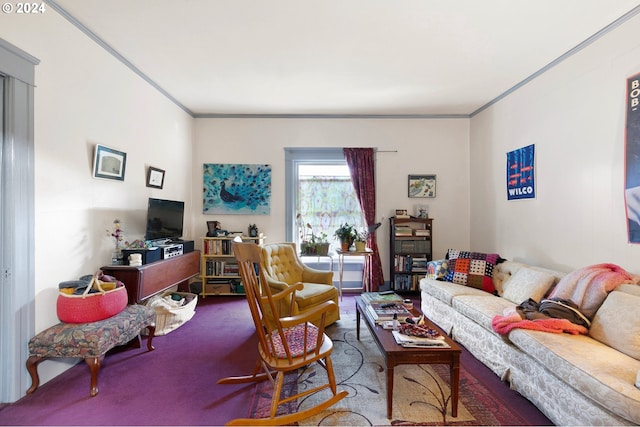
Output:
x=386 y=292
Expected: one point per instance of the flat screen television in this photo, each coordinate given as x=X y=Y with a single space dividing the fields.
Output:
x=164 y=219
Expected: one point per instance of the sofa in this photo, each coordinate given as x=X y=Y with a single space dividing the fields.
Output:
x=283 y=268
x=587 y=378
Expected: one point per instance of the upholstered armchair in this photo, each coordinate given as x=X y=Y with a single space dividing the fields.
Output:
x=283 y=268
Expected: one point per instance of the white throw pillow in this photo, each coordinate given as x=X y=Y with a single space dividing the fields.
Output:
x=617 y=323
x=629 y=289
x=527 y=283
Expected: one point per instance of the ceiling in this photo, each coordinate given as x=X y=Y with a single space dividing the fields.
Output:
x=341 y=57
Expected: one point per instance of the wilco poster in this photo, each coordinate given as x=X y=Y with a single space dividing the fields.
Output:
x=520 y=173
x=632 y=167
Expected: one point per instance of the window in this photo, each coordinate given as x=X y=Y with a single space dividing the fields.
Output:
x=320 y=191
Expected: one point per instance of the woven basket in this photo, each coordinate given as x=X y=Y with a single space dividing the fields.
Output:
x=93 y=307
x=170 y=318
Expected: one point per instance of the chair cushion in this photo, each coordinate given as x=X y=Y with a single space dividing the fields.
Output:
x=295 y=340
x=313 y=294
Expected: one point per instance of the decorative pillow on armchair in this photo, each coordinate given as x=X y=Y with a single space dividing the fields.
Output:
x=474 y=269
x=437 y=270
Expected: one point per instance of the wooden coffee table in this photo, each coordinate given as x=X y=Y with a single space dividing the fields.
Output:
x=395 y=354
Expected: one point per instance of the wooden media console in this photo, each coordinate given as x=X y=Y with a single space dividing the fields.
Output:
x=147 y=280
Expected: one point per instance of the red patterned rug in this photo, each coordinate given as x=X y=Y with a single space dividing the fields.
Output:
x=421 y=392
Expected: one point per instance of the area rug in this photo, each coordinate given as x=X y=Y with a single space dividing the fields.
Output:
x=421 y=393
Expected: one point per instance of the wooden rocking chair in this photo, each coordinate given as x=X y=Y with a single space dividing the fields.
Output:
x=284 y=343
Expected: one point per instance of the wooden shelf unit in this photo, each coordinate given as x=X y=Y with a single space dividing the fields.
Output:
x=411 y=248
x=218 y=266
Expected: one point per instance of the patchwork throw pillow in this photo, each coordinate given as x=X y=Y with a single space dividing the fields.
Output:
x=474 y=269
x=617 y=323
x=527 y=283
x=437 y=270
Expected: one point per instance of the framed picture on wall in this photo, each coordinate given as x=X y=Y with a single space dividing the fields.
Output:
x=422 y=186
x=155 y=177
x=109 y=163
x=236 y=189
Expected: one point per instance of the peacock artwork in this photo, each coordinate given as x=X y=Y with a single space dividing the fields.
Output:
x=236 y=189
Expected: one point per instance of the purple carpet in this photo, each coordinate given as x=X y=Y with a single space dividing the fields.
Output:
x=176 y=383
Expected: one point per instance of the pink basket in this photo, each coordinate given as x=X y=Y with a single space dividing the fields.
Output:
x=93 y=307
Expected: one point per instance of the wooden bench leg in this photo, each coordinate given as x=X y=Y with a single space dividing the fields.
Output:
x=32 y=367
x=93 y=363
x=94 y=366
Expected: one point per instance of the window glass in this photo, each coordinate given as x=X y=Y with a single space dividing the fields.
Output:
x=325 y=200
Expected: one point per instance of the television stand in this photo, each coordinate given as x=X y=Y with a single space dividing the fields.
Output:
x=145 y=281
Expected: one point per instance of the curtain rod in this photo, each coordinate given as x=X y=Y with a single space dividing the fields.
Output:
x=386 y=151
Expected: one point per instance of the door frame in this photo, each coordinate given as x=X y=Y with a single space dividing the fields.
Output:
x=17 y=219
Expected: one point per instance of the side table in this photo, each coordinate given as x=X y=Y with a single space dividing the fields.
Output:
x=365 y=272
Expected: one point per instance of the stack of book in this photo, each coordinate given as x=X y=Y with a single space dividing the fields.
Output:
x=382 y=306
x=404 y=231
x=422 y=232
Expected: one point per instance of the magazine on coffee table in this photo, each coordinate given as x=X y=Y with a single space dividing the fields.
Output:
x=419 y=342
x=380 y=297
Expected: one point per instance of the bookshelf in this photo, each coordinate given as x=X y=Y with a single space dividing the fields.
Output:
x=219 y=268
x=411 y=246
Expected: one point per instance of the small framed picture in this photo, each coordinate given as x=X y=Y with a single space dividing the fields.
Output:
x=422 y=186
x=422 y=211
x=155 y=177
x=109 y=163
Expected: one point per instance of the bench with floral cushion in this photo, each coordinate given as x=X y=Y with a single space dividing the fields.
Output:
x=89 y=341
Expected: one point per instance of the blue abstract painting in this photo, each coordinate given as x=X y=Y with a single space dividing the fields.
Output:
x=236 y=189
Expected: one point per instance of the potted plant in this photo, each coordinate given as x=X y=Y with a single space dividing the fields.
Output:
x=314 y=244
x=360 y=240
x=346 y=234
x=322 y=244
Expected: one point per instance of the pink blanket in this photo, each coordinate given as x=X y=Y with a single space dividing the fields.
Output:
x=512 y=320
x=589 y=286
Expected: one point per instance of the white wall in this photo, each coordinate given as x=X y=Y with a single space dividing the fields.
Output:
x=85 y=97
x=575 y=116
x=426 y=146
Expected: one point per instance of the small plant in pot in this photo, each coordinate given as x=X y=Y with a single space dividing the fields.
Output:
x=346 y=234
x=360 y=240
x=314 y=244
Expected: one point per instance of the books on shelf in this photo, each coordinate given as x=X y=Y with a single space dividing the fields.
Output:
x=381 y=312
x=380 y=297
x=407 y=282
x=403 y=231
x=419 y=265
x=214 y=267
x=217 y=247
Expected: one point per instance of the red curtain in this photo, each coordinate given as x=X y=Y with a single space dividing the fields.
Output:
x=361 y=162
